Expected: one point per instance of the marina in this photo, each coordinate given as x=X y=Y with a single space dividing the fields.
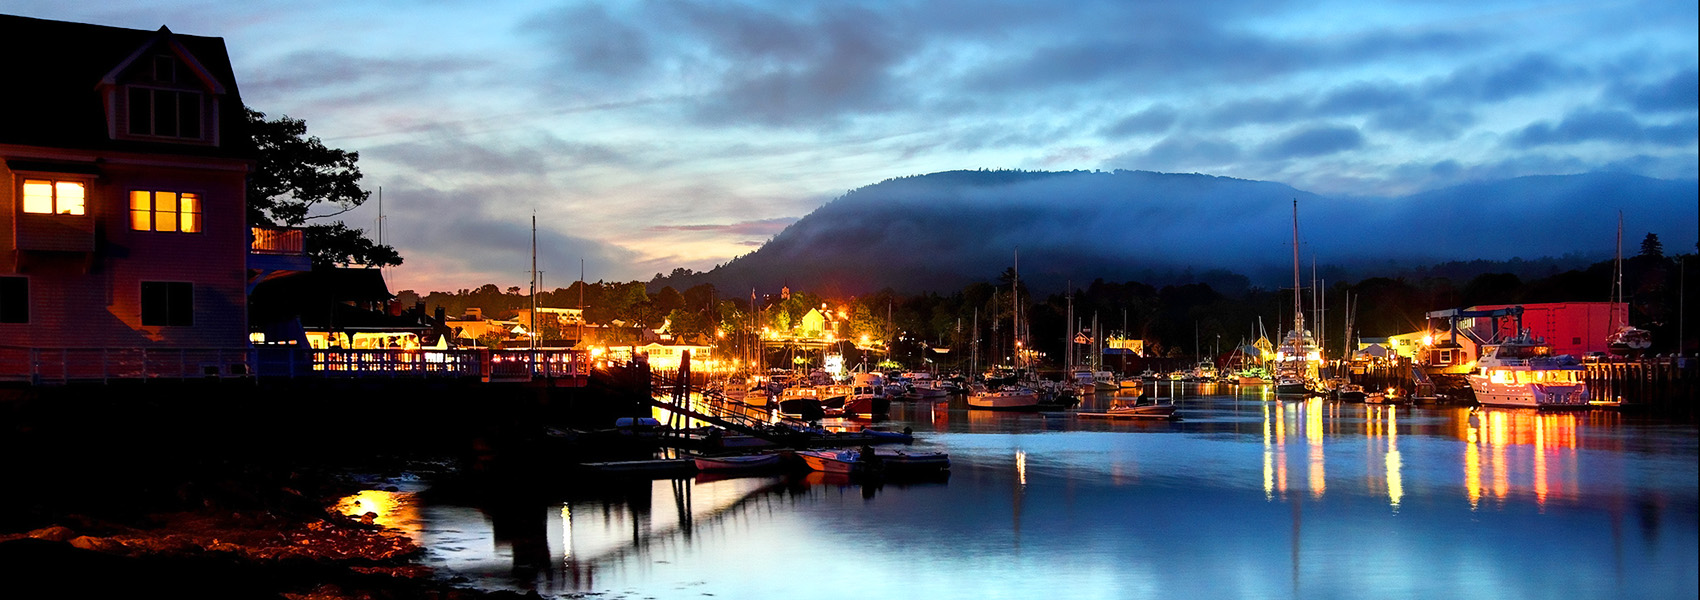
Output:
x=1315 y=499
x=229 y=370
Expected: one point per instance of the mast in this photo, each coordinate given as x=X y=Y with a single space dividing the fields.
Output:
x=534 y=287
x=581 y=305
x=1068 y=336
x=1015 y=309
x=1298 y=310
x=1618 y=283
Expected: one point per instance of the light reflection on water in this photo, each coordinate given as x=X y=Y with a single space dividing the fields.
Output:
x=1246 y=497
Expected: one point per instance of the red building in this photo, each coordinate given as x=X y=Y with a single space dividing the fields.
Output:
x=1573 y=328
x=123 y=221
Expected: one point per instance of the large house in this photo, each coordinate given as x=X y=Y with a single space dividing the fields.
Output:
x=123 y=224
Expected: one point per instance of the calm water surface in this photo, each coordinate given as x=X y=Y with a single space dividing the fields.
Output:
x=1246 y=497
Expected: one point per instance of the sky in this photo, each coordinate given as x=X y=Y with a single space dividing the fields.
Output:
x=652 y=135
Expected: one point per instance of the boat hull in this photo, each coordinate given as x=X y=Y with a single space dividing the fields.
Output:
x=749 y=462
x=1528 y=395
x=831 y=461
x=996 y=401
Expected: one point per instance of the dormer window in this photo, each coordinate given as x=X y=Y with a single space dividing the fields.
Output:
x=165 y=113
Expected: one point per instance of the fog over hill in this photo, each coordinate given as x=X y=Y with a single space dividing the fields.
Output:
x=940 y=231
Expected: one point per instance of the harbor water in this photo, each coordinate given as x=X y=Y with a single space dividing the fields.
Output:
x=1246 y=496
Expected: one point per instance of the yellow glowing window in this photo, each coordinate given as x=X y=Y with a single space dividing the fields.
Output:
x=48 y=197
x=165 y=211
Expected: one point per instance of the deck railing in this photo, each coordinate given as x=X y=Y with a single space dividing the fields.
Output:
x=262 y=240
x=66 y=365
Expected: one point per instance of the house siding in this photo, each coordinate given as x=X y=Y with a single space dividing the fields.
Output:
x=93 y=299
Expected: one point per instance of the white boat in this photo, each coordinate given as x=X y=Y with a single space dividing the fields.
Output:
x=1006 y=398
x=1522 y=372
x=743 y=462
x=832 y=461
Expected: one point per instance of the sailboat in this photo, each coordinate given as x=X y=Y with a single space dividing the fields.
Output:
x=1626 y=340
x=1297 y=357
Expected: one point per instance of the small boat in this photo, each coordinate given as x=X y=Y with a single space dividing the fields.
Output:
x=832 y=461
x=1351 y=392
x=1131 y=383
x=652 y=467
x=893 y=459
x=742 y=462
x=1006 y=398
x=884 y=435
x=1151 y=410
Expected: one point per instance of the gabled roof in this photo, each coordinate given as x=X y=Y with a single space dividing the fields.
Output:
x=56 y=71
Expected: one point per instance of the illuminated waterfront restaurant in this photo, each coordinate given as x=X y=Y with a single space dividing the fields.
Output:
x=123 y=216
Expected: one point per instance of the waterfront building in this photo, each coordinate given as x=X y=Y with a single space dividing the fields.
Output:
x=123 y=217
x=1574 y=328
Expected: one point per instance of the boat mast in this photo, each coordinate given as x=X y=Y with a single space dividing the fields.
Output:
x=1068 y=336
x=534 y=288
x=1015 y=309
x=1618 y=283
x=1298 y=309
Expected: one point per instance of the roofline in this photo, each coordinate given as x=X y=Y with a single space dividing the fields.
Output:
x=164 y=34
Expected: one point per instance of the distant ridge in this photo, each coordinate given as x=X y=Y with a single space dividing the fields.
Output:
x=941 y=231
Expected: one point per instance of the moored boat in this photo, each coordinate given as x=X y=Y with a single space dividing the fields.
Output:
x=832 y=461
x=895 y=459
x=742 y=462
x=1522 y=372
x=1007 y=398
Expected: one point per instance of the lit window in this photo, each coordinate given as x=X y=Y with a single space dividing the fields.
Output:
x=14 y=300
x=168 y=303
x=165 y=211
x=49 y=197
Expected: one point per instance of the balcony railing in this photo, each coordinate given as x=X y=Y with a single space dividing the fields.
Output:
x=288 y=242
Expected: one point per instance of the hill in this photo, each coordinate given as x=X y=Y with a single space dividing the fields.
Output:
x=940 y=231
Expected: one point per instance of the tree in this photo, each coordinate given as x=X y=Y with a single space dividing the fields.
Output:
x=296 y=176
x=1650 y=246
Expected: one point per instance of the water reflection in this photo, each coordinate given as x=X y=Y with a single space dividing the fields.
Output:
x=1037 y=505
x=1546 y=442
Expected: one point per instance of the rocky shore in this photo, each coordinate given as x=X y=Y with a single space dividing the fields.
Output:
x=203 y=495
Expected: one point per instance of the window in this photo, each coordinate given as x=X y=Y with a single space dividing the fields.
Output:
x=165 y=113
x=53 y=197
x=165 y=211
x=168 y=303
x=14 y=300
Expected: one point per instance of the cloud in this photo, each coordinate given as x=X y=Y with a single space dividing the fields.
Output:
x=1180 y=152
x=348 y=77
x=1499 y=80
x=588 y=41
x=841 y=64
x=1156 y=119
x=448 y=150
x=1679 y=92
x=759 y=227
x=1313 y=141
x=452 y=231
x=1604 y=125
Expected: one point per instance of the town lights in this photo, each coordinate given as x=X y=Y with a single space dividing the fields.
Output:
x=1428 y=339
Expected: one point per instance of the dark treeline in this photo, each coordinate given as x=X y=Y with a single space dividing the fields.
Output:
x=1216 y=310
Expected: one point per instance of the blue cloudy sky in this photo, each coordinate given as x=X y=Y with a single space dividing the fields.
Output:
x=649 y=135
